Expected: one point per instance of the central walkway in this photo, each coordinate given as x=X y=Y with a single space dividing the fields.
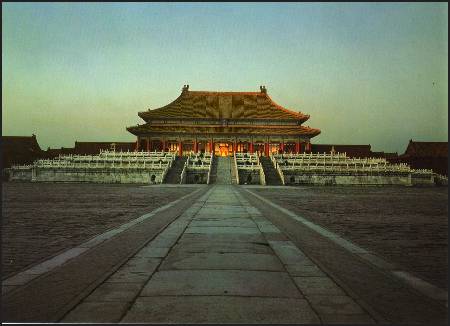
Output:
x=221 y=261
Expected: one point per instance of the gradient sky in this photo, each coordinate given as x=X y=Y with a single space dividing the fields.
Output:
x=367 y=73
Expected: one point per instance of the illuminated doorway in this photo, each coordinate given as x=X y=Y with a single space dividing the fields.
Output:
x=223 y=149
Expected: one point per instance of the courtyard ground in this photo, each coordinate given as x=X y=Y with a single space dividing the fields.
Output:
x=408 y=226
x=224 y=254
x=42 y=219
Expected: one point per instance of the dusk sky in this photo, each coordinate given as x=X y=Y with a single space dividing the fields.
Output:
x=367 y=73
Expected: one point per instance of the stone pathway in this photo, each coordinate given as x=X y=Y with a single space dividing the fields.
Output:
x=218 y=255
x=220 y=262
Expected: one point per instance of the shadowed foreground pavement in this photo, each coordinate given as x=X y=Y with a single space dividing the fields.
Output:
x=222 y=254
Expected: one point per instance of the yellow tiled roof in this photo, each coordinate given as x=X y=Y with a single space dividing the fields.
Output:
x=223 y=105
x=255 y=130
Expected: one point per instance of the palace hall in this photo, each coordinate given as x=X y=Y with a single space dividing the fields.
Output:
x=223 y=122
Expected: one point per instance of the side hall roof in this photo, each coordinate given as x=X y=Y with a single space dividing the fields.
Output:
x=426 y=149
x=351 y=150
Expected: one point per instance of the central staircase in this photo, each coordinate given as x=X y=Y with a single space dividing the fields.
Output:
x=271 y=174
x=223 y=170
x=173 y=176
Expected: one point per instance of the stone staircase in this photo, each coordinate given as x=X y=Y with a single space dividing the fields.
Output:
x=173 y=176
x=213 y=173
x=272 y=176
x=223 y=170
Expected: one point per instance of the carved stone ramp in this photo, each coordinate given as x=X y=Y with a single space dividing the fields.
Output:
x=223 y=170
x=221 y=261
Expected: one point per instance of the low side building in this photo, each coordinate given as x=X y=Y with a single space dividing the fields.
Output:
x=93 y=148
x=90 y=148
x=20 y=150
x=427 y=155
x=362 y=151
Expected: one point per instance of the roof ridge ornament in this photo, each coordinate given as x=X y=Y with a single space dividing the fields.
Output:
x=263 y=89
x=185 y=88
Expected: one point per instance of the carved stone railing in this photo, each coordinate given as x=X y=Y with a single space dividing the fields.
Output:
x=236 y=170
x=183 y=172
x=208 y=178
x=262 y=175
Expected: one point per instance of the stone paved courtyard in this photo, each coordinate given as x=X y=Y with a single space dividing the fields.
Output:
x=40 y=220
x=408 y=226
x=230 y=254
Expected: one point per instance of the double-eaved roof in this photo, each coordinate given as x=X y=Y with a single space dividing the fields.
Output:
x=223 y=112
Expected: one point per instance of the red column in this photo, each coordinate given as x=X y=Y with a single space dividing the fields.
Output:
x=148 y=145
x=251 y=148
x=180 y=148
x=297 y=147
x=137 y=144
x=212 y=147
x=266 y=149
x=164 y=145
x=195 y=146
x=308 y=147
x=282 y=147
x=235 y=147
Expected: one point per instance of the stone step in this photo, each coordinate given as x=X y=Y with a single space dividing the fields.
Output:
x=271 y=174
x=223 y=175
x=174 y=174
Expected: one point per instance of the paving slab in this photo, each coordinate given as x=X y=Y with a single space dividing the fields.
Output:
x=223 y=261
x=153 y=252
x=306 y=268
x=97 y=312
x=126 y=274
x=221 y=230
x=216 y=282
x=240 y=222
x=275 y=236
x=219 y=309
x=362 y=319
x=221 y=246
x=318 y=285
x=122 y=292
x=268 y=229
x=224 y=211
x=335 y=304
x=19 y=279
x=143 y=264
x=221 y=237
x=288 y=252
